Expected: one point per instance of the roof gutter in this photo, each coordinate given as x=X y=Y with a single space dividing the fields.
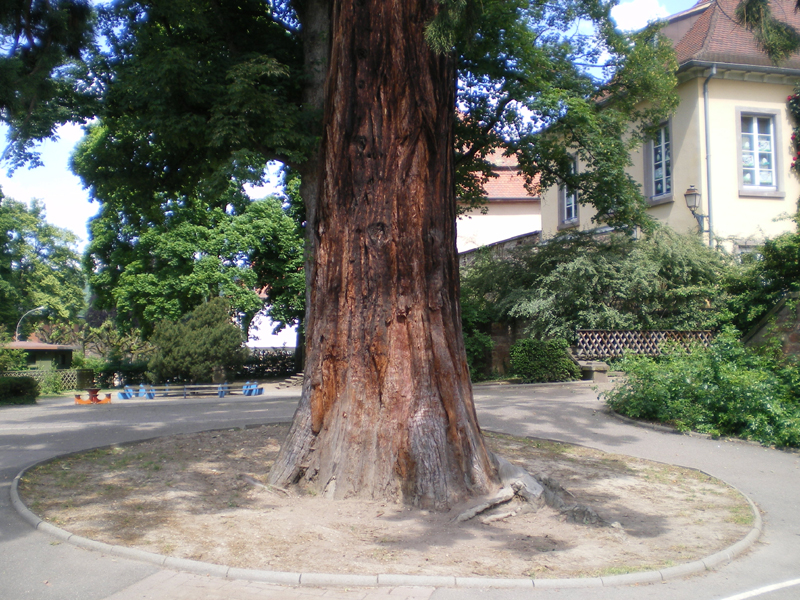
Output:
x=766 y=69
x=708 y=153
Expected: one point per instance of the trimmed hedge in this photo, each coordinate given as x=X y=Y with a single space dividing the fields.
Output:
x=541 y=361
x=18 y=390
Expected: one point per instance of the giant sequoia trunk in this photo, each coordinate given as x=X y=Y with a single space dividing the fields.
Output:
x=386 y=410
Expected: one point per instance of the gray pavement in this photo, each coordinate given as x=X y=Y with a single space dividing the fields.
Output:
x=35 y=565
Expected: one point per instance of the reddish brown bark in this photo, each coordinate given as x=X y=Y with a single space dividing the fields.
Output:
x=387 y=404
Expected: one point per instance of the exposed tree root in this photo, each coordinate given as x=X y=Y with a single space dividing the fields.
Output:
x=269 y=488
x=533 y=492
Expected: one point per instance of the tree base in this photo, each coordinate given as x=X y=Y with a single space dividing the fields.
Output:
x=532 y=492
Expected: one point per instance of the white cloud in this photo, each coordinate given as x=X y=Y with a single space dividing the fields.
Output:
x=636 y=14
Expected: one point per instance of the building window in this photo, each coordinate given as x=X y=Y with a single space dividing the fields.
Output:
x=568 y=202
x=570 y=205
x=759 y=159
x=758 y=151
x=662 y=165
x=658 y=166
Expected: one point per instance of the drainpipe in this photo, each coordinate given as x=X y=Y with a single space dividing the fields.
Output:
x=708 y=153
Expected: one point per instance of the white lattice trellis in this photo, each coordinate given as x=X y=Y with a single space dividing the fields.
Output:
x=596 y=344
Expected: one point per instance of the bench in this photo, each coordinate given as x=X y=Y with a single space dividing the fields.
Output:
x=220 y=390
x=249 y=388
x=151 y=391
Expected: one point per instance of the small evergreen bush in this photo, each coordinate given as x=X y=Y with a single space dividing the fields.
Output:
x=725 y=389
x=540 y=361
x=193 y=348
x=18 y=390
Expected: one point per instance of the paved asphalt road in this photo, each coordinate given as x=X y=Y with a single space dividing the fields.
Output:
x=36 y=566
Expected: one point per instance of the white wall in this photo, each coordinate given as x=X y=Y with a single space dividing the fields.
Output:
x=502 y=221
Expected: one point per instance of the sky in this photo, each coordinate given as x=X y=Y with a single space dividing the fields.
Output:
x=67 y=203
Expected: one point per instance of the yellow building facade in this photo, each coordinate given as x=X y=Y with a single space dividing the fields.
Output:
x=730 y=138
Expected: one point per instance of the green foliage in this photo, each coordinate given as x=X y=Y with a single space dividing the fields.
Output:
x=10 y=359
x=39 y=266
x=585 y=281
x=41 y=71
x=525 y=90
x=18 y=390
x=192 y=250
x=122 y=373
x=476 y=323
x=777 y=38
x=725 y=389
x=191 y=349
x=541 y=361
x=52 y=384
x=759 y=281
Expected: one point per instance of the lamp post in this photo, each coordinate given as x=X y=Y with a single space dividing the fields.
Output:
x=693 y=203
x=33 y=310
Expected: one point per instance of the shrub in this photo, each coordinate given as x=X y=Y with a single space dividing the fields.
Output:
x=589 y=281
x=18 y=390
x=192 y=349
x=476 y=325
x=539 y=361
x=724 y=389
x=51 y=383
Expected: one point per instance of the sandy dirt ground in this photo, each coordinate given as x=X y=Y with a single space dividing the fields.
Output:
x=198 y=496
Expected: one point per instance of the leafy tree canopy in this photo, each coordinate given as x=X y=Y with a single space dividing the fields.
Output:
x=193 y=251
x=42 y=44
x=189 y=90
x=39 y=266
x=10 y=359
x=582 y=281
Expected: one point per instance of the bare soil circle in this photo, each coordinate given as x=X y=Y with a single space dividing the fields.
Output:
x=198 y=496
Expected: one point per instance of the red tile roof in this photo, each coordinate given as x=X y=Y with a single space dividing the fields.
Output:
x=714 y=35
x=509 y=185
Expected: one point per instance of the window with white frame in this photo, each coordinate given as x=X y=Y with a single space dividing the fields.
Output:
x=758 y=151
x=568 y=201
x=570 y=205
x=662 y=162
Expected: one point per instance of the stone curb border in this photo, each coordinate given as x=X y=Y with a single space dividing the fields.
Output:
x=334 y=579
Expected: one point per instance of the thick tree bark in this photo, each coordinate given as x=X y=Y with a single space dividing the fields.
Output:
x=316 y=18
x=386 y=410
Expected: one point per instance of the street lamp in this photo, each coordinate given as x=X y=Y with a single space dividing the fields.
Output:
x=693 y=203
x=33 y=310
